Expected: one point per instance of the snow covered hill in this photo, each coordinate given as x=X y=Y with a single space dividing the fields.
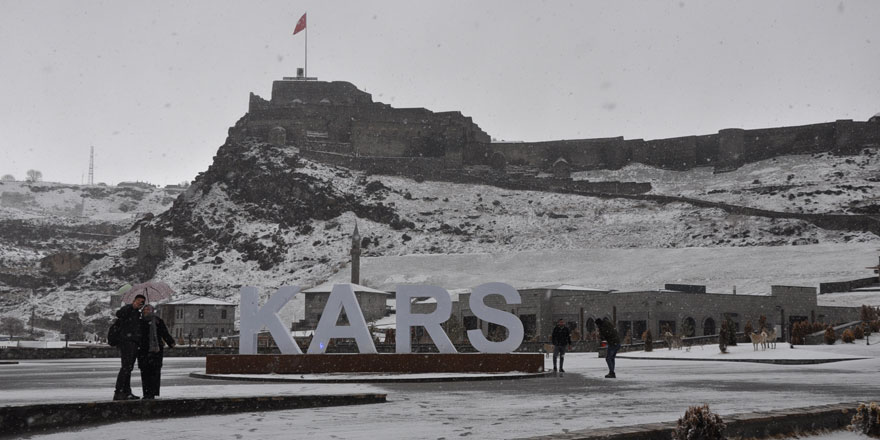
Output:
x=261 y=215
x=41 y=219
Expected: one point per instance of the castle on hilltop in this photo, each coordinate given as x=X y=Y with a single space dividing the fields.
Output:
x=335 y=122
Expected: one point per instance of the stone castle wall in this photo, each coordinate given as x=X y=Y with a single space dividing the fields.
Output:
x=726 y=150
x=336 y=117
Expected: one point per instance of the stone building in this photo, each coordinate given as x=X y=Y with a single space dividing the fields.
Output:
x=688 y=309
x=373 y=304
x=198 y=318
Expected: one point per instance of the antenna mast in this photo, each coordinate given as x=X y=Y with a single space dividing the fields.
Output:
x=92 y=166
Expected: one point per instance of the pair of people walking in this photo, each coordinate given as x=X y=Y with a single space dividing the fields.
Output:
x=143 y=336
x=561 y=339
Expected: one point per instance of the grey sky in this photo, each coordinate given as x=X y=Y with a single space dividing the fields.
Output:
x=154 y=85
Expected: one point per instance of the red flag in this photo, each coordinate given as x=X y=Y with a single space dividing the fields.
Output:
x=300 y=25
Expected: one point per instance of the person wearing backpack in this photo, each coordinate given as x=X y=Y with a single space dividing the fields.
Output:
x=129 y=339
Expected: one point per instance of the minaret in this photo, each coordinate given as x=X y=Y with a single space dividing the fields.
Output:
x=355 y=256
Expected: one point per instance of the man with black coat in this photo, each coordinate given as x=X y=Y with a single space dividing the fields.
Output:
x=130 y=328
x=609 y=334
x=154 y=336
x=561 y=339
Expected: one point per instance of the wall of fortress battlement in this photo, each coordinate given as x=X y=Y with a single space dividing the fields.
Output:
x=337 y=112
x=729 y=149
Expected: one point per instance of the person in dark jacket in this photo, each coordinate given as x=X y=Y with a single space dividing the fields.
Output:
x=130 y=326
x=154 y=336
x=608 y=333
x=561 y=339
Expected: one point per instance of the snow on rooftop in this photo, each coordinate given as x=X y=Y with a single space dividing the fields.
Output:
x=327 y=287
x=198 y=300
x=574 y=288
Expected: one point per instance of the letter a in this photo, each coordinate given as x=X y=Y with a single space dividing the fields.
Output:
x=253 y=318
x=486 y=313
x=341 y=298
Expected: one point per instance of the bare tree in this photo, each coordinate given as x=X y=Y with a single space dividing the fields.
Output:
x=34 y=176
x=7 y=178
x=12 y=326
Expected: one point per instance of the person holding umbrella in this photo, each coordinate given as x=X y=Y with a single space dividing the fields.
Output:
x=154 y=336
x=130 y=327
x=131 y=330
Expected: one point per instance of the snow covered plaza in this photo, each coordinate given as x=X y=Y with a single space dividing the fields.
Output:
x=645 y=391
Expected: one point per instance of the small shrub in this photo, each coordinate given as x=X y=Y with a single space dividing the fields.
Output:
x=830 y=336
x=731 y=332
x=748 y=328
x=848 y=337
x=649 y=341
x=867 y=420
x=699 y=423
x=859 y=332
x=800 y=330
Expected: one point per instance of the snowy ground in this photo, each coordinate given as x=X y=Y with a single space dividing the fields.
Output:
x=747 y=351
x=794 y=183
x=837 y=435
x=645 y=391
x=751 y=269
x=81 y=203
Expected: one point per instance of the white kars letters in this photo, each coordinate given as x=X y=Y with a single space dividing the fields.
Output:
x=342 y=297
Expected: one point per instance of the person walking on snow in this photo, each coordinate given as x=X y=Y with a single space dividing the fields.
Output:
x=130 y=319
x=561 y=340
x=608 y=333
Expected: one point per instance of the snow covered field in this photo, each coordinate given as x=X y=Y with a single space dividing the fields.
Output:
x=751 y=269
x=794 y=183
x=645 y=391
x=838 y=435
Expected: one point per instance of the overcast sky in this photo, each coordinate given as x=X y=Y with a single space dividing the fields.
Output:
x=154 y=85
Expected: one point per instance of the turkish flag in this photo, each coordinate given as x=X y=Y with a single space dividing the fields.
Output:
x=300 y=25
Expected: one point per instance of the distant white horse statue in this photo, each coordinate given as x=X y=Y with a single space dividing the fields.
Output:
x=758 y=339
x=672 y=341
x=769 y=338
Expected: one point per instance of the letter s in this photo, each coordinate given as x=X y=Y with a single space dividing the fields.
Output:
x=486 y=313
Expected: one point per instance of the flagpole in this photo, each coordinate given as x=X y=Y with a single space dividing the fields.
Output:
x=307 y=45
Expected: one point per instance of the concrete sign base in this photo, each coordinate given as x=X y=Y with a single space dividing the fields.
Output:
x=400 y=363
